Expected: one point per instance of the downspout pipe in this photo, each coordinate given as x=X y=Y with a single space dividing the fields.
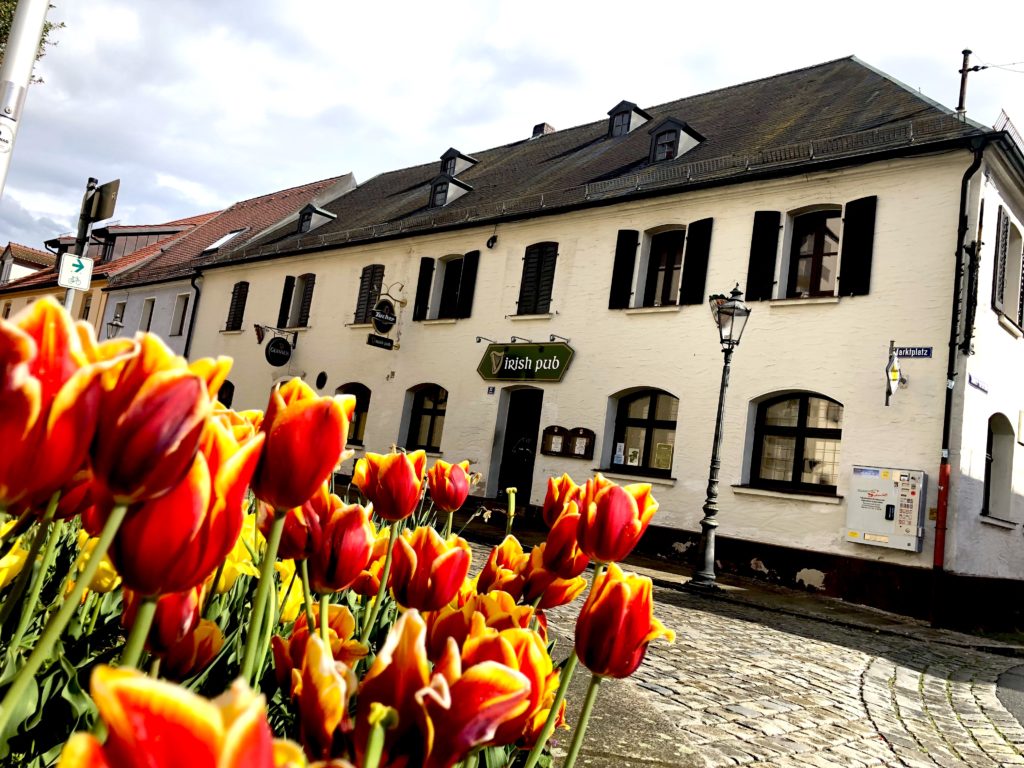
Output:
x=195 y=308
x=942 y=509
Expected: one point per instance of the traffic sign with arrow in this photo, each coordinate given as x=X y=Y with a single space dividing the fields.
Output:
x=75 y=272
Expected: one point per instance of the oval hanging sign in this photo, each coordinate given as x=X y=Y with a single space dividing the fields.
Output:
x=278 y=351
x=383 y=316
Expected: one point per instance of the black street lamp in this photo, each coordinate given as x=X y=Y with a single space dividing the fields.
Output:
x=730 y=314
x=114 y=327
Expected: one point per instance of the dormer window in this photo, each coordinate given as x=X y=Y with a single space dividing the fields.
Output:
x=305 y=221
x=454 y=162
x=671 y=138
x=445 y=189
x=624 y=117
x=311 y=217
x=439 y=194
x=665 y=145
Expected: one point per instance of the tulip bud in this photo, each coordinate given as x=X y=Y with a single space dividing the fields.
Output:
x=427 y=571
x=449 y=485
x=392 y=483
x=345 y=547
x=613 y=520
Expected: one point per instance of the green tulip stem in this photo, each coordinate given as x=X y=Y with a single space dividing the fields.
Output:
x=28 y=610
x=208 y=606
x=371 y=616
x=13 y=600
x=325 y=616
x=55 y=626
x=133 y=648
x=448 y=525
x=374 y=746
x=549 y=724
x=259 y=603
x=581 y=726
x=307 y=594
x=534 y=619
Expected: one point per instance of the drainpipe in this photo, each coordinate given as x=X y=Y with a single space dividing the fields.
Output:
x=942 y=510
x=195 y=308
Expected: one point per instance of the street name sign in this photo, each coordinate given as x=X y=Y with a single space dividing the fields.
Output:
x=75 y=272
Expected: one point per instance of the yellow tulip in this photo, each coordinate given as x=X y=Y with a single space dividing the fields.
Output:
x=13 y=561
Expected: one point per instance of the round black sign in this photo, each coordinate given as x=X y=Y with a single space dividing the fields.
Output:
x=383 y=316
x=278 y=351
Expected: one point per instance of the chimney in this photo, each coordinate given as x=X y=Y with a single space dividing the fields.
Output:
x=540 y=129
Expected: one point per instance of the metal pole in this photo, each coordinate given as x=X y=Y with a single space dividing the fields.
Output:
x=16 y=73
x=705 y=577
x=82 y=237
x=961 y=107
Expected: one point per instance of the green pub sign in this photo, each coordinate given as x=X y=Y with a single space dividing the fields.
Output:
x=525 y=362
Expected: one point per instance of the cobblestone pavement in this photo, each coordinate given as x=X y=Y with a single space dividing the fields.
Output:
x=747 y=686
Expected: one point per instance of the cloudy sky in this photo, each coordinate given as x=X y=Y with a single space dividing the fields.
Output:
x=195 y=104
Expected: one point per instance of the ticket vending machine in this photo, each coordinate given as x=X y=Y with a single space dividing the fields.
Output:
x=885 y=507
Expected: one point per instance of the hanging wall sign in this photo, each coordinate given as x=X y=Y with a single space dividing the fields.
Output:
x=525 y=362
x=383 y=316
x=381 y=342
x=278 y=351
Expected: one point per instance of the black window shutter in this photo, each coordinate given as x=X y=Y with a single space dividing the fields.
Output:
x=286 y=302
x=1002 y=247
x=549 y=254
x=419 y=309
x=858 y=246
x=467 y=285
x=237 y=309
x=622 y=269
x=531 y=281
x=307 y=299
x=370 y=282
x=695 y=262
x=764 y=244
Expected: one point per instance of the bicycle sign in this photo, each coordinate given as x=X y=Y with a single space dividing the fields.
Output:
x=75 y=272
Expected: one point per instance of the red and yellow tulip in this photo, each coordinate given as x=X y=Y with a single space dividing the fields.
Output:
x=505 y=568
x=345 y=547
x=613 y=519
x=617 y=623
x=322 y=687
x=301 y=534
x=561 y=490
x=305 y=441
x=498 y=609
x=156 y=724
x=391 y=482
x=548 y=586
x=449 y=485
x=194 y=652
x=562 y=553
x=341 y=627
x=427 y=571
x=177 y=615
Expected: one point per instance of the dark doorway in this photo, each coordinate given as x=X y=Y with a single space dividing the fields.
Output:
x=519 y=449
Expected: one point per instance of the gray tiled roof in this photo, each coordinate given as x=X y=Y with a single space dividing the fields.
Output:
x=839 y=111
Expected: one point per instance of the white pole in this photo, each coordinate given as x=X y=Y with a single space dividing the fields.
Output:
x=16 y=72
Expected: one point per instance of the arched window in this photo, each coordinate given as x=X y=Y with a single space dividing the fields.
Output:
x=357 y=426
x=998 y=468
x=426 y=419
x=645 y=433
x=796 y=443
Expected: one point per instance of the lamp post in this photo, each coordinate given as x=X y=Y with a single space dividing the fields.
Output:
x=730 y=314
x=114 y=327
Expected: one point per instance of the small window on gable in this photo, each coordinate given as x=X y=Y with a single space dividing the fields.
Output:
x=644 y=436
x=624 y=117
x=357 y=424
x=454 y=162
x=296 y=301
x=178 y=317
x=439 y=194
x=371 y=282
x=620 y=124
x=665 y=145
x=445 y=189
x=446 y=287
x=671 y=138
x=796 y=443
x=538 y=279
x=829 y=253
x=236 y=312
x=1008 y=275
x=997 y=493
x=305 y=221
x=426 y=417
x=448 y=166
x=146 y=321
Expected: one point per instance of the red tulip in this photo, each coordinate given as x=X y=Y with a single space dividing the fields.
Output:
x=498 y=609
x=612 y=522
x=305 y=441
x=177 y=615
x=561 y=491
x=156 y=724
x=400 y=670
x=505 y=568
x=49 y=397
x=172 y=543
x=345 y=547
x=392 y=483
x=322 y=687
x=193 y=653
x=341 y=627
x=562 y=553
x=152 y=417
x=367 y=584
x=301 y=534
x=617 y=623
x=449 y=485
x=427 y=571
